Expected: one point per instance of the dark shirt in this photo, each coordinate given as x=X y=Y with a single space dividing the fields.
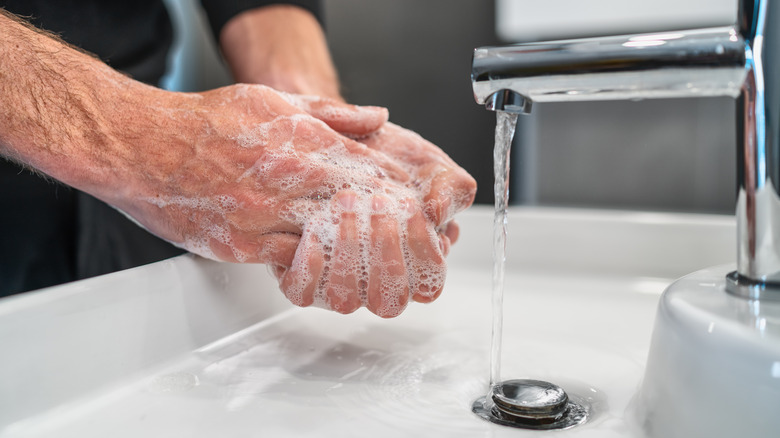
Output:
x=132 y=36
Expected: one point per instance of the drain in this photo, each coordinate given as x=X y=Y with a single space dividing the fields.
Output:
x=531 y=404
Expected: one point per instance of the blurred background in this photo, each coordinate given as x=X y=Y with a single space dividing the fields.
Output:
x=414 y=57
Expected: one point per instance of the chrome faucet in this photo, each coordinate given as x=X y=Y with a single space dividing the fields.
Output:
x=741 y=61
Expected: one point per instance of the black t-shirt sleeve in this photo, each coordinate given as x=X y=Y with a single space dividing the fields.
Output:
x=220 y=12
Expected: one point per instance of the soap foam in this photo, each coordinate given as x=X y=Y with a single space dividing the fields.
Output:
x=293 y=164
x=321 y=233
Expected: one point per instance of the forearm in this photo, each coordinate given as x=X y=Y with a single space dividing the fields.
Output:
x=283 y=47
x=64 y=112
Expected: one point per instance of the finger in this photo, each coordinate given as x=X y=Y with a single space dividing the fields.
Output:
x=219 y=244
x=406 y=145
x=425 y=262
x=388 y=284
x=452 y=231
x=386 y=164
x=310 y=136
x=300 y=282
x=340 y=266
x=353 y=120
x=449 y=188
x=444 y=244
x=214 y=250
x=277 y=249
x=452 y=190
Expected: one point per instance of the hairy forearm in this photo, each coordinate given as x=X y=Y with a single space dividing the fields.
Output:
x=64 y=112
x=283 y=47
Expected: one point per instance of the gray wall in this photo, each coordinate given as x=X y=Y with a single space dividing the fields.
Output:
x=414 y=57
x=676 y=155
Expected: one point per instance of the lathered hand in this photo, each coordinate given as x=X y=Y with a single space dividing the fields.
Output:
x=446 y=188
x=386 y=246
x=264 y=177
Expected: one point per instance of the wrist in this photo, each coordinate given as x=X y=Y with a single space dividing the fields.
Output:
x=135 y=140
x=283 y=47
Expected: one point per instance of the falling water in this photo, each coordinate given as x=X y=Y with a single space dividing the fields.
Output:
x=505 y=130
x=517 y=403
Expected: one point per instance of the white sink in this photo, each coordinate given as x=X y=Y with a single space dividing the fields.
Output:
x=194 y=348
x=714 y=363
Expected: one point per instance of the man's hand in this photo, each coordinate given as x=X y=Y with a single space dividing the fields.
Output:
x=349 y=210
x=266 y=178
x=284 y=47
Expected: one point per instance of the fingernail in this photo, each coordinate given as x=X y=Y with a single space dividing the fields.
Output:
x=444 y=244
x=378 y=203
x=373 y=111
x=347 y=200
x=408 y=205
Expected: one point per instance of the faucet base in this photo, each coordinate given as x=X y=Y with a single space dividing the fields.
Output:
x=712 y=368
x=741 y=286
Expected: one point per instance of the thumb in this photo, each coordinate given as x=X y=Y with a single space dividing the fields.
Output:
x=277 y=249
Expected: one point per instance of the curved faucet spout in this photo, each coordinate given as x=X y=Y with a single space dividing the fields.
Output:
x=701 y=62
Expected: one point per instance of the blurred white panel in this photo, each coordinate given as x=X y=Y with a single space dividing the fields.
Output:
x=529 y=20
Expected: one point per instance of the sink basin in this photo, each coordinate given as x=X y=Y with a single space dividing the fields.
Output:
x=190 y=347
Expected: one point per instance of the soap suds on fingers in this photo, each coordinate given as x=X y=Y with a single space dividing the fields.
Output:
x=369 y=217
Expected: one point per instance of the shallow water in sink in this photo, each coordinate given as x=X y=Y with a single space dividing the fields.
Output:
x=309 y=372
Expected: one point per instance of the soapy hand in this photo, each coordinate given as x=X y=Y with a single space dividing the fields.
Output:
x=445 y=187
x=408 y=233
x=274 y=178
